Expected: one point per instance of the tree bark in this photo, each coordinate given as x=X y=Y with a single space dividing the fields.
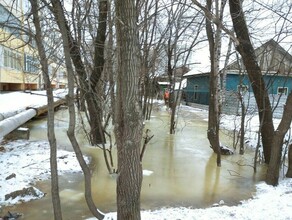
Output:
x=242 y=127
x=289 y=171
x=96 y=85
x=50 y=120
x=272 y=177
x=128 y=124
x=109 y=61
x=247 y=53
x=214 y=40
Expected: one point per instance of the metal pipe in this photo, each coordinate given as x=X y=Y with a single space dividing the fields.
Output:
x=11 y=123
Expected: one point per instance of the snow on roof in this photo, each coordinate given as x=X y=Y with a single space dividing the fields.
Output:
x=163 y=83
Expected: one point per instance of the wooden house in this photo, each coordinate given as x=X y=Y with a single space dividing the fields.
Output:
x=276 y=66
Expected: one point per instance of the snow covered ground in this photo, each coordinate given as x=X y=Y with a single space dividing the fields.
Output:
x=24 y=162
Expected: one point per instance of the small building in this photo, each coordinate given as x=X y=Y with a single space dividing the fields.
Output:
x=197 y=88
x=276 y=66
x=178 y=81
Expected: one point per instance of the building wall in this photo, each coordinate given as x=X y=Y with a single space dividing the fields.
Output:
x=197 y=90
x=19 y=60
x=15 y=68
x=18 y=68
x=17 y=7
x=272 y=82
x=232 y=104
x=234 y=80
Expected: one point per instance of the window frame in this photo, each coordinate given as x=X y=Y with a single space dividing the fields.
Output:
x=12 y=59
x=196 y=95
x=30 y=64
x=282 y=93
x=241 y=88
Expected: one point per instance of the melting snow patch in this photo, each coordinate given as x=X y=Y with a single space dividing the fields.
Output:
x=28 y=162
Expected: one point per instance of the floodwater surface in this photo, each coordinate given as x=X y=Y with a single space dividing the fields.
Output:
x=179 y=170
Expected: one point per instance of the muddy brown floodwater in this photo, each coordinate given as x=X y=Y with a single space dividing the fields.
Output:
x=183 y=165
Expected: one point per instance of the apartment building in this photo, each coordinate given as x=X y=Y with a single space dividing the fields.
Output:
x=19 y=61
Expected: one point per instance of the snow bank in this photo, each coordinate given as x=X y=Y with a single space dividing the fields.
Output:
x=268 y=203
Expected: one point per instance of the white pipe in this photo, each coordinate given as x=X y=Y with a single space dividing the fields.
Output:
x=10 y=124
x=9 y=114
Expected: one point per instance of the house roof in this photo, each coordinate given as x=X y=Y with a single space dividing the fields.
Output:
x=178 y=74
x=271 y=58
x=163 y=83
x=191 y=74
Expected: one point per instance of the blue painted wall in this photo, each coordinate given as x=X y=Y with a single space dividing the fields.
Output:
x=200 y=83
x=272 y=82
x=197 y=89
x=233 y=80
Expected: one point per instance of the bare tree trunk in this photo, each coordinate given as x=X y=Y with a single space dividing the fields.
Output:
x=170 y=72
x=85 y=87
x=272 y=177
x=242 y=126
x=150 y=104
x=289 y=171
x=109 y=62
x=70 y=100
x=146 y=90
x=50 y=121
x=223 y=75
x=128 y=124
x=97 y=133
x=255 y=76
x=215 y=51
x=243 y=116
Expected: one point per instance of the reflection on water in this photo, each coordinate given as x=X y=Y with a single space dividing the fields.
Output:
x=184 y=171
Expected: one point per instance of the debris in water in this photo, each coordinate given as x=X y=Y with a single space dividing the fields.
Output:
x=10 y=216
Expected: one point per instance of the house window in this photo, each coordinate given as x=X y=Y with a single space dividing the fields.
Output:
x=196 y=95
x=282 y=90
x=31 y=64
x=242 y=89
x=12 y=59
x=12 y=24
x=62 y=74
